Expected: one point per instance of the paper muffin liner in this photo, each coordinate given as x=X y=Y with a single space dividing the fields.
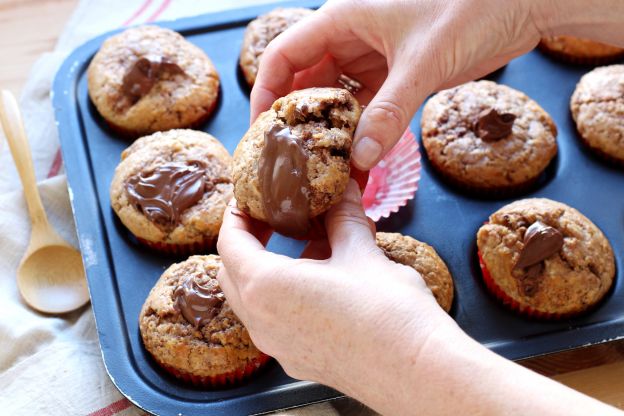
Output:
x=513 y=304
x=233 y=378
x=394 y=181
x=133 y=135
x=199 y=247
x=580 y=60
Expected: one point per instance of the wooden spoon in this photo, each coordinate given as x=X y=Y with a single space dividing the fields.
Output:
x=50 y=277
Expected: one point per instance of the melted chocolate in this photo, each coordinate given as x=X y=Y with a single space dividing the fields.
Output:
x=144 y=74
x=540 y=242
x=492 y=126
x=198 y=304
x=165 y=193
x=284 y=182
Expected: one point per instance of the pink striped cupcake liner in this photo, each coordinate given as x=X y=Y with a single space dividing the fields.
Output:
x=394 y=181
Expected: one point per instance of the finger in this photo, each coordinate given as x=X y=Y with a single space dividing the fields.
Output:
x=348 y=229
x=284 y=57
x=259 y=229
x=323 y=74
x=232 y=294
x=241 y=250
x=388 y=115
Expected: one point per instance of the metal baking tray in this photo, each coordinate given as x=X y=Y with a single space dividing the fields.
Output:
x=121 y=273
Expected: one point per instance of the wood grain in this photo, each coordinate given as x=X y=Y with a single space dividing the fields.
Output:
x=29 y=28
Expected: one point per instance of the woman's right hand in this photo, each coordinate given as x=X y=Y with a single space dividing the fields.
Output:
x=400 y=51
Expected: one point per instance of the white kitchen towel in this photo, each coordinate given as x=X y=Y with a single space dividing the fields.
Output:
x=52 y=365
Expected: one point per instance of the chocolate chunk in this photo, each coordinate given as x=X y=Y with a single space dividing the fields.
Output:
x=540 y=242
x=283 y=176
x=165 y=193
x=144 y=74
x=493 y=126
x=198 y=304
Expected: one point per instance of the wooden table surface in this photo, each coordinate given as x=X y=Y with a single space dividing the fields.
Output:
x=29 y=28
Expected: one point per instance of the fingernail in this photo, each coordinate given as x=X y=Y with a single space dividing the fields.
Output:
x=366 y=153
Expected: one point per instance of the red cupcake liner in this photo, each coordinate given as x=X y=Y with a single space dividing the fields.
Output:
x=230 y=379
x=394 y=181
x=199 y=247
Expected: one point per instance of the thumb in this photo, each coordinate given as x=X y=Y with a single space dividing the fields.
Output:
x=348 y=229
x=387 y=116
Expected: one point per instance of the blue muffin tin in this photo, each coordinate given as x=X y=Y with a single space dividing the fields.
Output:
x=121 y=273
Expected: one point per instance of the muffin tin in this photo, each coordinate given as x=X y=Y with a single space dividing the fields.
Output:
x=121 y=273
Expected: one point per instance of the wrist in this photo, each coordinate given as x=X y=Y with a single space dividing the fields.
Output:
x=594 y=19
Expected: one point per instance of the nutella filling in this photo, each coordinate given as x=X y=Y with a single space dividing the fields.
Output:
x=284 y=182
x=197 y=303
x=540 y=242
x=492 y=126
x=165 y=193
x=144 y=74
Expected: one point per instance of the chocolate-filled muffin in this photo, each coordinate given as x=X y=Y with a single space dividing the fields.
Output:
x=189 y=328
x=294 y=162
x=260 y=32
x=488 y=138
x=545 y=259
x=171 y=189
x=424 y=259
x=149 y=79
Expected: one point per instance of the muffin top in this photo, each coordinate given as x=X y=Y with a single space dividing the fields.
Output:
x=263 y=30
x=173 y=187
x=486 y=135
x=186 y=322
x=547 y=255
x=424 y=259
x=579 y=47
x=293 y=163
x=598 y=108
x=148 y=78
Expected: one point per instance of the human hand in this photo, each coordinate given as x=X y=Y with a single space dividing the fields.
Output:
x=400 y=51
x=328 y=317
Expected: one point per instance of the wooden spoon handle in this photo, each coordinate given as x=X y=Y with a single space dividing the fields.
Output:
x=11 y=119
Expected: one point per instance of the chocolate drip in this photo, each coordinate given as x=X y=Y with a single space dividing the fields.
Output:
x=492 y=126
x=165 y=193
x=540 y=242
x=284 y=182
x=144 y=74
x=197 y=303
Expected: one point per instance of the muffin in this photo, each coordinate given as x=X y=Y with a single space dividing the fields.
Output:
x=422 y=258
x=545 y=259
x=149 y=79
x=293 y=163
x=260 y=32
x=487 y=138
x=580 y=51
x=171 y=189
x=598 y=109
x=190 y=330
